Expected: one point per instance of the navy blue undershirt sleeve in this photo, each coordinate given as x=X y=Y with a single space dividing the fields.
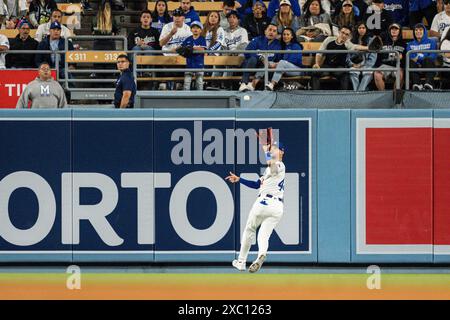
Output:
x=249 y=183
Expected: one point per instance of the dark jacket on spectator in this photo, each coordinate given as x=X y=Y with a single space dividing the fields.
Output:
x=262 y=43
x=45 y=45
x=150 y=36
x=417 y=5
x=21 y=60
x=389 y=44
x=255 y=27
x=41 y=14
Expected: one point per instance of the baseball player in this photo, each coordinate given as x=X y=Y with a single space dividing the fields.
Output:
x=267 y=209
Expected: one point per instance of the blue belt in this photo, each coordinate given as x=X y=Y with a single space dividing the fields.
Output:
x=271 y=196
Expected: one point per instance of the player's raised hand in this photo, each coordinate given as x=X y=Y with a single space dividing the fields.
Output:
x=232 y=178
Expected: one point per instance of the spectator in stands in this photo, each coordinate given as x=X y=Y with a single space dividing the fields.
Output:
x=252 y=60
x=4 y=46
x=197 y=60
x=125 y=84
x=256 y=22
x=174 y=33
x=441 y=21
x=285 y=17
x=160 y=16
x=40 y=11
x=11 y=12
x=361 y=79
x=44 y=29
x=419 y=9
x=227 y=7
x=422 y=59
x=22 y=41
x=392 y=41
x=172 y=36
x=274 y=6
x=346 y=16
x=43 y=92
x=399 y=10
x=335 y=60
x=190 y=15
x=213 y=32
x=287 y=60
x=377 y=18
x=53 y=42
x=236 y=37
x=144 y=37
x=246 y=8
x=445 y=45
x=315 y=23
x=104 y=24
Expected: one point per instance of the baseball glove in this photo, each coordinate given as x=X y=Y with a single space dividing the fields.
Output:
x=375 y=44
x=185 y=51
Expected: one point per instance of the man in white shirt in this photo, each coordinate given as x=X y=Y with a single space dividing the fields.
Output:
x=4 y=46
x=236 y=37
x=441 y=21
x=44 y=29
x=174 y=33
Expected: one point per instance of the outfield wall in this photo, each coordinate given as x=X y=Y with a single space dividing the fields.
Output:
x=147 y=185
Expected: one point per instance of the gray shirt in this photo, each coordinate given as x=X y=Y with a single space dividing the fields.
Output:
x=42 y=94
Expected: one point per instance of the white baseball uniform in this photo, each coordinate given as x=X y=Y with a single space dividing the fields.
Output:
x=266 y=212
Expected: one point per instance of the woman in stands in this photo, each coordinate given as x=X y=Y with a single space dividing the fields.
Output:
x=288 y=60
x=215 y=40
x=40 y=11
x=213 y=32
x=361 y=79
x=315 y=23
x=445 y=45
x=104 y=25
x=285 y=17
x=346 y=16
x=160 y=15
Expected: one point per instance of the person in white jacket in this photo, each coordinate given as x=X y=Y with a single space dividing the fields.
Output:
x=44 y=29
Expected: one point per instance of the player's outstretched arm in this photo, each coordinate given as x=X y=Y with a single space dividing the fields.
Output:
x=232 y=178
x=251 y=184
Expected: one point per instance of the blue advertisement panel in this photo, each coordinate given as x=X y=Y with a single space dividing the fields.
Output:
x=294 y=237
x=113 y=194
x=35 y=218
x=194 y=204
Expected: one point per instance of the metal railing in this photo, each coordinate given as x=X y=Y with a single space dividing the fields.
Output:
x=84 y=71
x=408 y=69
x=266 y=69
x=264 y=53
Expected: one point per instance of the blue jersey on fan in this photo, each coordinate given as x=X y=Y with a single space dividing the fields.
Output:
x=197 y=60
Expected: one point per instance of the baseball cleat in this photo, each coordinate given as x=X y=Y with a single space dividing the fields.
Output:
x=240 y=265
x=256 y=265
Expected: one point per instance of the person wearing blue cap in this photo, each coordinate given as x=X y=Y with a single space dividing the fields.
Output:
x=268 y=208
x=257 y=21
x=53 y=42
x=196 y=60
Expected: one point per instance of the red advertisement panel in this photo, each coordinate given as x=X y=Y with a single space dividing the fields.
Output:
x=12 y=84
x=399 y=186
x=442 y=186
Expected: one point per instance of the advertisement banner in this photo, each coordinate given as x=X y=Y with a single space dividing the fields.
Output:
x=12 y=84
x=148 y=185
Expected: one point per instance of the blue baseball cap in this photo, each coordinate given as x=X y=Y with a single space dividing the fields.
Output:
x=55 y=25
x=197 y=23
